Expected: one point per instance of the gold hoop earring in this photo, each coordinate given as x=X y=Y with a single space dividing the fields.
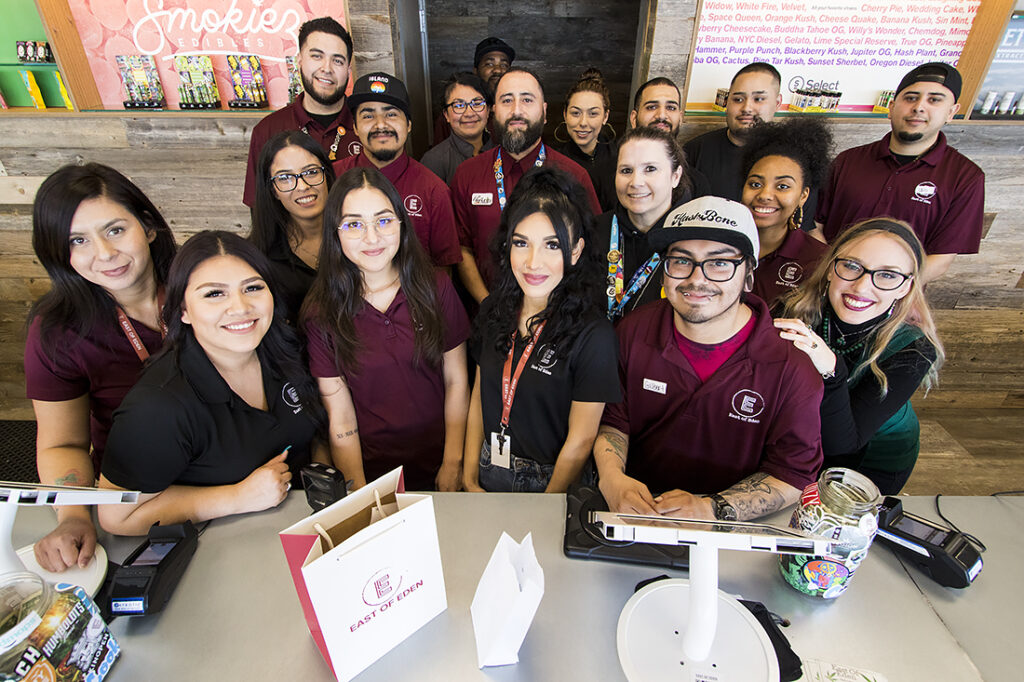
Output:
x=797 y=219
x=611 y=128
x=555 y=132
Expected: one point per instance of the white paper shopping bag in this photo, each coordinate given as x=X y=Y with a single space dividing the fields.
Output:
x=506 y=600
x=374 y=580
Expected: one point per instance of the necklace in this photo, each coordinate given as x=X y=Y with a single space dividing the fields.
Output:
x=840 y=344
x=372 y=292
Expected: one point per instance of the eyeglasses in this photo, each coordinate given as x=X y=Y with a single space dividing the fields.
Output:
x=459 y=106
x=886 y=280
x=286 y=182
x=386 y=226
x=714 y=269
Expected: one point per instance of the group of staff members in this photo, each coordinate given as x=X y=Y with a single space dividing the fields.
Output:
x=207 y=375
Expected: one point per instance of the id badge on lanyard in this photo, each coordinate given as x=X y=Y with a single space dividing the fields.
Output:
x=501 y=443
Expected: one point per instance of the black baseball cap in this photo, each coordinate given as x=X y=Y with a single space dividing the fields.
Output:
x=934 y=72
x=492 y=44
x=380 y=87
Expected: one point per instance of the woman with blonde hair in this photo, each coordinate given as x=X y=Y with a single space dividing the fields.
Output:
x=863 y=321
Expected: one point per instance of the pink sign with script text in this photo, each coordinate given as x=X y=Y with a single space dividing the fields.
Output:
x=164 y=29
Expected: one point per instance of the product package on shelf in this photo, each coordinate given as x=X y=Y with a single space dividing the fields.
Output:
x=141 y=82
x=63 y=91
x=33 y=51
x=29 y=79
x=198 y=87
x=294 y=78
x=3 y=102
x=247 y=82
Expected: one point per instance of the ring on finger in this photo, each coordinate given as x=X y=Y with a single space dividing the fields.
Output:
x=814 y=344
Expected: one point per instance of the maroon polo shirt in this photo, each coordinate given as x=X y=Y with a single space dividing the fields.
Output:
x=475 y=197
x=757 y=412
x=941 y=195
x=294 y=117
x=399 y=402
x=102 y=365
x=427 y=200
x=786 y=267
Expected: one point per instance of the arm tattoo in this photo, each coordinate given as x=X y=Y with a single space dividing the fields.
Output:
x=72 y=477
x=343 y=436
x=617 y=445
x=754 y=497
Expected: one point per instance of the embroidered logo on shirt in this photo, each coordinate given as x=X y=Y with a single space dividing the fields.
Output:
x=354 y=148
x=790 y=274
x=290 y=396
x=747 y=405
x=655 y=386
x=925 y=192
x=483 y=198
x=413 y=204
x=545 y=359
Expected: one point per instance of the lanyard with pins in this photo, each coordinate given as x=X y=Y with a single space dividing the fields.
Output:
x=618 y=294
x=499 y=176
x=333 y=155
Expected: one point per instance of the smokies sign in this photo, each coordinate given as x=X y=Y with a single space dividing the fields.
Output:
x=166 y=28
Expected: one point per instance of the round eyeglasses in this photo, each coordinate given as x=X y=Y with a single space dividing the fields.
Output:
x=714 y=269
x=286 y=182
x=851 y=271
x=459 y=106
x=386 y=226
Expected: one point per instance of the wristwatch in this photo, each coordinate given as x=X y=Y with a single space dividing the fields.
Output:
x=721 y=508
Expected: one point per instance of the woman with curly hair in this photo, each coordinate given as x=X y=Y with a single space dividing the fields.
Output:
x=862 y=319
x=546 y=355
x=783 y=163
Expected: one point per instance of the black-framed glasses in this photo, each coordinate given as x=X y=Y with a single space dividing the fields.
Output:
x=714 y=269
x=886 y=280
x=286 y=182
x=356 y=229
x=477 y=104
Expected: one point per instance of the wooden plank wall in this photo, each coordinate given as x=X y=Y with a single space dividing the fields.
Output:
x=558 y=40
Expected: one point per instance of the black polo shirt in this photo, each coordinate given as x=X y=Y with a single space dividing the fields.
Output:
x=600 y=167
x=292 y=277
x=539 y=420
x=181 y=424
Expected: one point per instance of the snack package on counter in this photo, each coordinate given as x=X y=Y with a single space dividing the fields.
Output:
x=52 y=633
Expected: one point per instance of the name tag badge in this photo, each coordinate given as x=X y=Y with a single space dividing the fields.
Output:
x=483 y=198
x=655 y=386
x=500 y=451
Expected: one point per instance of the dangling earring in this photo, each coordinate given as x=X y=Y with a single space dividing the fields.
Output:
x=555 y=132
x=891 y=309
x=797 y=218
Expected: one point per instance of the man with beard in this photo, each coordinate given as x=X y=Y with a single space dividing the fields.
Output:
x=381 y=112
x=325 y=64
x=482 y=184
x=719 y=416
x=657 y=104
x=912 y=174
x=754 y=96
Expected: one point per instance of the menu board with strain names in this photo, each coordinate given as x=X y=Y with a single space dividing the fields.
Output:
x=853 y=50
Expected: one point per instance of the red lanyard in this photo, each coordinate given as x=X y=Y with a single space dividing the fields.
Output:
x=133 y=336
x=510 y=381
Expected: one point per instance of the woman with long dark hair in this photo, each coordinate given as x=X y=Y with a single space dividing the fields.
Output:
x=223 y=418
x=650 y=180
x=783 y=163
x=387 y=341
x=863 y=320
x=293 y=179
x=585 y=116
x=107 y=251
x=547 y=356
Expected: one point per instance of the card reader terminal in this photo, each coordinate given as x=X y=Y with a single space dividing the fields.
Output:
x=150 y=573
x=943 y=554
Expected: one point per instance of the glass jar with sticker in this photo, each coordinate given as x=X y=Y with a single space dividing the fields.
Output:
x=24 y=600
x=841 y=505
